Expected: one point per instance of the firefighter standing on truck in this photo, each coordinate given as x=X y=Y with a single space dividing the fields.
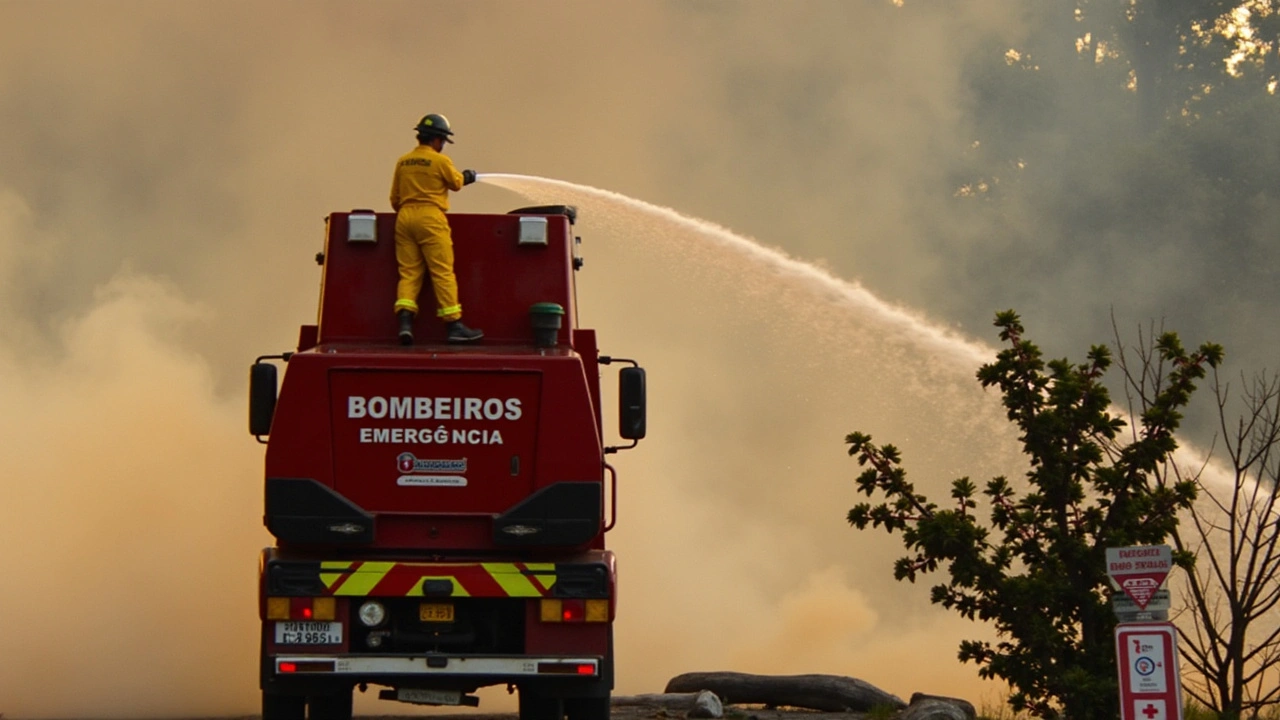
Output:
x=420 y=197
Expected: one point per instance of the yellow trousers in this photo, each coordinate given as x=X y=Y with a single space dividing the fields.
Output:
x=423 y=244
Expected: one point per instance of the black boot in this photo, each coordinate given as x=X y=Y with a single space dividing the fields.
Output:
x=406 y=326
x=459 y=333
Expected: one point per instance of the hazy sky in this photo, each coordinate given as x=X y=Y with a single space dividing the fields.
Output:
x=164 y=170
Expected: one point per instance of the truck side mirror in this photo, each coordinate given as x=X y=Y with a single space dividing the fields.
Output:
x=262 y=398
x=631 y=403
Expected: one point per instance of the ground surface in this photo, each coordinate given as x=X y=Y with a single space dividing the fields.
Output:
x=651 y=713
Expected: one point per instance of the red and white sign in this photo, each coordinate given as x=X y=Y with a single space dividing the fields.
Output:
x=1147 y=657
x=1139 y=571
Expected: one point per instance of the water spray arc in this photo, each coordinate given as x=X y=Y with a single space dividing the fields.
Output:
x=949 y=344
x=850 y=293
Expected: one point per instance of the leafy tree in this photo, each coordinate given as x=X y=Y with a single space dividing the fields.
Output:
x=1037 y=570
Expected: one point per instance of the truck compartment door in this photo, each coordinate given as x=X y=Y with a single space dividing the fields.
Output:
x=443 y=442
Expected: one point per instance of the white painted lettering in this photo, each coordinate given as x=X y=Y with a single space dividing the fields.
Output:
x=472 y=411
x=422 y=408
x=427 y=436
x=355 y=406
x=377 y=407
x=400 y=408
x=492 y=409
x=513 y=409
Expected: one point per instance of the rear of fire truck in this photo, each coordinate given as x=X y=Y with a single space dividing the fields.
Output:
x=440 y=511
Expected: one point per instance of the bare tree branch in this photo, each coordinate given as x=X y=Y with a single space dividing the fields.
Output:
x=1232 y=642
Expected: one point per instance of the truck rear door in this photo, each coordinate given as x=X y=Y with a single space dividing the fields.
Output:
x=440 y=442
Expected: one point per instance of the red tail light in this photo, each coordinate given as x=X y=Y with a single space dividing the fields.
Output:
x=564 y=668
x=305 y=666
x=300 y=608
x=573 y=611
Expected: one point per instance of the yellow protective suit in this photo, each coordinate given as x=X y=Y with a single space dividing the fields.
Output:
x=420 y=197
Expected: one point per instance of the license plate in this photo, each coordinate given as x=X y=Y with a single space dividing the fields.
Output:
x=429 y=697
x=435 y=612
x=308 y=633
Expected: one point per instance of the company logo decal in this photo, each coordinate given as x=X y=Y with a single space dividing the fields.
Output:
x=407 y=462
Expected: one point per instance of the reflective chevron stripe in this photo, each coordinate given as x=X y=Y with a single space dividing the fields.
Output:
x=361 y=578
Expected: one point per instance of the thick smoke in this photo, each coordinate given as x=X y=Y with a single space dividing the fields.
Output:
x=127 y=523
x=163 y=174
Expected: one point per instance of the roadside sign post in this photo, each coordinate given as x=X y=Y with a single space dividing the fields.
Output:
x=1146 y=652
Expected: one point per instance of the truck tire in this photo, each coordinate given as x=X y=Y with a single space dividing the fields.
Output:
x=331 y=707
x=283 y=707
x=537 y=707
x=588 y=708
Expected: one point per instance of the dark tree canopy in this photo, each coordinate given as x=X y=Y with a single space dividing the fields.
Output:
x=1131 y=145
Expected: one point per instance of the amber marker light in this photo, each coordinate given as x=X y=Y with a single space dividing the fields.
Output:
x=550 y=611
x=323 y=608
x=597 y=611
x=277 y=608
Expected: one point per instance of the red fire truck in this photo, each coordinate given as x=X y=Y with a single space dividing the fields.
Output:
x=440 y=510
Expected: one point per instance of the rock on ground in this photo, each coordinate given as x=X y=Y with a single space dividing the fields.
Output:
x=706 y=705
x=937 y=707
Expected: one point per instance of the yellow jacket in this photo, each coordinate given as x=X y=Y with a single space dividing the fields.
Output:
x=425 y=177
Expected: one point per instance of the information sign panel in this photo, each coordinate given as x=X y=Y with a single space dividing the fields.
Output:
x=1160 y=601
x=1139 y=571
x=1147 y=658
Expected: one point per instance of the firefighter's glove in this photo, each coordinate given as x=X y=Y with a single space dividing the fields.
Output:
x=468 y=177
